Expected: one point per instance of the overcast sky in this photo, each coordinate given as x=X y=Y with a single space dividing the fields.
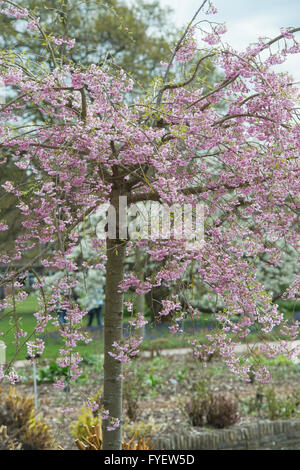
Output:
x=246 y=20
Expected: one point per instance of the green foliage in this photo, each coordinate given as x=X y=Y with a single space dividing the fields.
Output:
x=137 y=36
x=279 y=363
x=279 y=408
x=93 y=360
x=143 y=380
x=266 y=402
x=289 y=306
x=51 y=372
x=158 y=364
x=86 y=420
x=141 y=428
x=180 y=374
x=133 y=389
x=152 y=380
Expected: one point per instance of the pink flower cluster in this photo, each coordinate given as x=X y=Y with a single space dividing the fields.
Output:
x=139 y=321
x=124 y=352
x=35 y=347
x=187 y=49
x=12 y=376
x=60 y=41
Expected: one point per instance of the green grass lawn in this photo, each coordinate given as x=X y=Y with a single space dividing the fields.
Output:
x=27 y=322
x=53 y=342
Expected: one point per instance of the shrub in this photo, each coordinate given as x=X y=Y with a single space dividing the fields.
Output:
x=279 y=408
x=141 y=428
x=37 y=435
x=197 y=406
x=15 y=409
x=17 y=415
x=137 y=443
x=87 y=417
x=6 y=442
x=206 y=407
x=85 y=422
x=222 y=411
x=51 y=372
x=197 y=411
x=93 y=441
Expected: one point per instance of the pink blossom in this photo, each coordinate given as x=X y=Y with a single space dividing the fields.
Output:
x=3 y=227
x=114 y=424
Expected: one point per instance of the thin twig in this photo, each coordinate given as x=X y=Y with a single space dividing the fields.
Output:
x=177 y=47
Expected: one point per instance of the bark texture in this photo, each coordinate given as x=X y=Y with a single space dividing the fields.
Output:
x=140 y=299
x=113 y=331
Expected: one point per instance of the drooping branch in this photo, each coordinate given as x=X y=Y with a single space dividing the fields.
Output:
x=255 y=116
x=224 y=84
x=140 y=197
x=172 y=86
x=177 y=48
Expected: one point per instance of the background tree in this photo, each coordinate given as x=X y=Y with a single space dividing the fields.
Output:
x=137 y=36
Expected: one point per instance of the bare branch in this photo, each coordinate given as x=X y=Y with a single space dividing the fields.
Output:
x=140 y=197
x=254 y=116
x=220 y=87
x=187 y=82
x=83 y=105
x=177 y=47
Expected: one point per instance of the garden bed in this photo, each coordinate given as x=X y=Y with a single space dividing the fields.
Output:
x=160 y=388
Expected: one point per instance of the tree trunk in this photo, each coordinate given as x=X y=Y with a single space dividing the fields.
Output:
x=113 y=331
x=140 y=300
